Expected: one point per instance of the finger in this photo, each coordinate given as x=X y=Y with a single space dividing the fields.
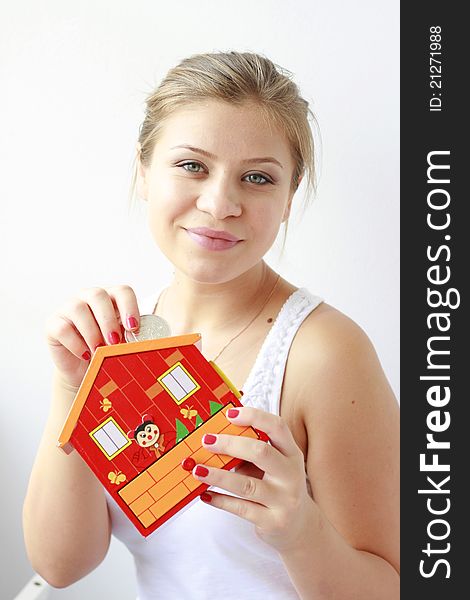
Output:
x=247 y=468
x=273 y=425
x=104 y=313
x=247 y=487
x=78 y=314
x=250 y=511
x=60 y=331
x=263 y=455
x=125 y=302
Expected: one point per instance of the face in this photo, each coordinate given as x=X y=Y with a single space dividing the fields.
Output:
x=149 y=436
x=221 y=168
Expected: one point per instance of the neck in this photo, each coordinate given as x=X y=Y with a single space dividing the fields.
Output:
x=190 y=305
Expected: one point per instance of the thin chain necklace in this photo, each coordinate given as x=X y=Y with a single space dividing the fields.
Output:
x=245 y=327
x=250 y=322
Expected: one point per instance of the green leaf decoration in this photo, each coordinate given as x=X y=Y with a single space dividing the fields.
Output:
x=199 y=421
x=214 y=407
x=181 y=431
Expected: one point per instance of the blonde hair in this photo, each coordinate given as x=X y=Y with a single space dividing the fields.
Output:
x=234 y=77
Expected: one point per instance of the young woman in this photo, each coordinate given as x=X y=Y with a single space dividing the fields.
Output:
x=225 y=142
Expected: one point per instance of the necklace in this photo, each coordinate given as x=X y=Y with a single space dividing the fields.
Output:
x=250 y=322
x=246 y=326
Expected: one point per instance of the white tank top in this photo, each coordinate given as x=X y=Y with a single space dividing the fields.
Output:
x=203 y=552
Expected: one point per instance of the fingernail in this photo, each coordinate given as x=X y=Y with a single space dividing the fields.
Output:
x=188 y=464
x=114 y=337
x=209 y=439
x=201 y=471
x=205 y=497
x=232 y=413
x=131 y=322
x=86 y=355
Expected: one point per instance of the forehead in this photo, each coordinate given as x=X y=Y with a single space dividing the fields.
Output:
x=225 y=130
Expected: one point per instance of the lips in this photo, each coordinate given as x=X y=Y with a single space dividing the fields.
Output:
x=212 y=243
x=214 y=234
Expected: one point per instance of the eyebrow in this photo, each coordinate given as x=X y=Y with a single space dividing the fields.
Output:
x=264 y=159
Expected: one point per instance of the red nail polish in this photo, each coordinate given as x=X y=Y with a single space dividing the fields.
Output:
x=86 y=355
x=188 y=464
x=209 y=439
x=114 y=337
x=205 y=497
x=131 y=322
x=201 y=471
x=232 y=413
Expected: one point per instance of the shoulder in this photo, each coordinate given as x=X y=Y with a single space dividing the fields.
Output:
x=327 y=328
x=332 y=355
x=331 y=349
x=337 y=391
x=346 y=407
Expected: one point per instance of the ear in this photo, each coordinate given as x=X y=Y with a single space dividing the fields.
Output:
x=148 y=418
x=141 y=183
x=131 y=434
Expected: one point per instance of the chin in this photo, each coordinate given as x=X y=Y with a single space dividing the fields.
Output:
x=212 y=271
x=209 y=274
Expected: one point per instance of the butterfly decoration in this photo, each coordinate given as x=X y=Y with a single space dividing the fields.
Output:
x=106 y=404
x=116 y=477
x=188 y=412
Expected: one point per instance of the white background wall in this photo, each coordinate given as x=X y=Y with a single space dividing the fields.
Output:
x=73 y=79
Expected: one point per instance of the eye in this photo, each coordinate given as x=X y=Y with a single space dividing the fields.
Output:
x=196 y=167
x=258 y=179
x=148 y=429
x=192 y=167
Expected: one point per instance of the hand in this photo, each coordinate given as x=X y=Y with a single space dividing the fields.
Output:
x=95 y=317
x=278 y=504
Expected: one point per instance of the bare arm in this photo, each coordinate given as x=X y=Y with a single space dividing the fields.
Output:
x=65 y=517
x=350 y=546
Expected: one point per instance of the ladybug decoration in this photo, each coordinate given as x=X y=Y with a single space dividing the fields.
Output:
x=147 y=435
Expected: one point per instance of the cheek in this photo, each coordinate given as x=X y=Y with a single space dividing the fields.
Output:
x=265 y=223
x=167 y=202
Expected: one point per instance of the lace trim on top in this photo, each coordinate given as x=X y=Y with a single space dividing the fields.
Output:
x=262 y=388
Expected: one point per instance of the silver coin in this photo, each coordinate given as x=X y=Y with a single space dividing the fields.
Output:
x=151 y=327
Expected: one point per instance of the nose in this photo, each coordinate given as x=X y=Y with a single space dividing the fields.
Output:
x=219 y=198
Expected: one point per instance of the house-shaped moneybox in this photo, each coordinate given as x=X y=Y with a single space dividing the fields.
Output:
x=138 y=419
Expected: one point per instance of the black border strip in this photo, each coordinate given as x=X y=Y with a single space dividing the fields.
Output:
x=424 y=131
